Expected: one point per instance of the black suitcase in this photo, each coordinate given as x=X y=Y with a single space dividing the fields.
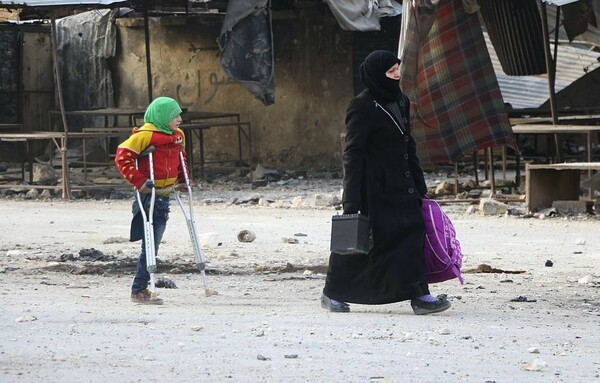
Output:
x=350 y=234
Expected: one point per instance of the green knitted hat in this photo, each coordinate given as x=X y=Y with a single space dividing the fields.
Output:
x=161 y=112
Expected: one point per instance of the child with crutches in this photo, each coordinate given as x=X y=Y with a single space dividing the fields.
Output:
x=150 y=160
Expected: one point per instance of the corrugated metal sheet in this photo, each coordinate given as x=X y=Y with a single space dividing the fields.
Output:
x=515 y=29
x=49 y=3
x=572 y=58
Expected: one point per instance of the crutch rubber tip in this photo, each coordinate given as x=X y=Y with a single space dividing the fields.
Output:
x=210 y=292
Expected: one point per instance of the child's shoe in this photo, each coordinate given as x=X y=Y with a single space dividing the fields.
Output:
x=145 y=297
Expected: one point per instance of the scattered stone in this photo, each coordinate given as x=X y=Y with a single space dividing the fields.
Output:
x=489 y=206
x=571 y=207
x=533 y=350
x=263 y=358
x=444 y=331
x=32 y=194
x=166 y=283
x=26 y=318
x=44 y=174
x=290 y=356
x=549 y=212
x=260 y=183
x=523 y=299
x=46 y=194
x=297 y=202
x=259 y=172
x=586 y=280
x=536 y=365
x=246 y=236
x=485 y=268
x=13 y=253
x=444 y=188
x=300 y=235
x=549 y=263
x=292 y=241
x=115 y=240
x=580 y=241
x=67 y=257
x=471 y=209
x=209 y=240
x=91 y=254
x=252 y=199
x=196 y=328
x=470 y=184
x=325 y=200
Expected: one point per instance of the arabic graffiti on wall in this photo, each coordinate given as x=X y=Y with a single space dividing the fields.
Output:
x=216 y=83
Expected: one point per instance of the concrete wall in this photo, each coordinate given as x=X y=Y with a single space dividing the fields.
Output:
x=313 y=76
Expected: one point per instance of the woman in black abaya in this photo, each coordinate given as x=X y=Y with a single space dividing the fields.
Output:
x=383 y=180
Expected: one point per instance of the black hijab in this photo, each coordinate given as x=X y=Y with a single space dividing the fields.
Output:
x=372 y=74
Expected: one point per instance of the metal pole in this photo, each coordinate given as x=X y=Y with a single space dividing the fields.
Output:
x=148 y=61
x=551 y=70
x=66 y=187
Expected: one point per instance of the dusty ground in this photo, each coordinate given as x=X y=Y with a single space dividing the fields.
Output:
x=67 y=318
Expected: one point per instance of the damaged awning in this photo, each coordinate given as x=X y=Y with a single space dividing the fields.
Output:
x=51 y=3
x=246 y=44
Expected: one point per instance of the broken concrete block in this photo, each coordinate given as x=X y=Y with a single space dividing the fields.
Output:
x=572 y=207
x=489 y=206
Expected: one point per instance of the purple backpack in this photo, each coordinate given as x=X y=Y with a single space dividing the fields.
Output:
x=443 y=256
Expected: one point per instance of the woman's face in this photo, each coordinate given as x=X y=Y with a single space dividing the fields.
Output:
x=173 y=125
x=393 y=72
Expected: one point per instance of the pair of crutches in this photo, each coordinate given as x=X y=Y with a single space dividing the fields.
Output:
x=148 y=218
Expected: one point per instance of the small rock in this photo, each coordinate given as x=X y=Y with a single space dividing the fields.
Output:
x=586 y=280
x=246 y=236
x=536 y=365
x=292 y=241
x=166 y=283
x=263 y=358
x=209 y=240
x=580 y=241
x=26 y=318
x=90 y=254
x=290 y=356
x=533 y=350
x=549 y=263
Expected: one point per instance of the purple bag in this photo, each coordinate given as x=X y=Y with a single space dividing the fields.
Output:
x=443 y=256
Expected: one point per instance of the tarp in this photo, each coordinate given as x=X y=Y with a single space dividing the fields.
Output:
x=85 y=42
x=9 y=75
x=362 y=15
x=246 y=44
x=457 y=104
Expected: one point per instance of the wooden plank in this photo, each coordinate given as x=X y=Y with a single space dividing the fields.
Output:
x=551 y=129
x=567 y=165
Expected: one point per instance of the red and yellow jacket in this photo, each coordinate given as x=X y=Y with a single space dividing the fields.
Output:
x=167 y=165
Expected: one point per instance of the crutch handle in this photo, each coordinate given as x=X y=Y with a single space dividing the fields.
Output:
x=147 y=151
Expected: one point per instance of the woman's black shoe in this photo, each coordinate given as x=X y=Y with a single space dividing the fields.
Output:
x=338 y=307
x=423 y=308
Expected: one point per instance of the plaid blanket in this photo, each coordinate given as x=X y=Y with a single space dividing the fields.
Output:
x=457 y=106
